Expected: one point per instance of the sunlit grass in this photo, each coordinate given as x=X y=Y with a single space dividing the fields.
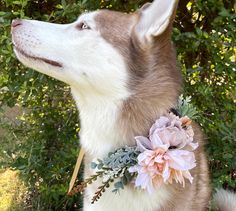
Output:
x=11 y=191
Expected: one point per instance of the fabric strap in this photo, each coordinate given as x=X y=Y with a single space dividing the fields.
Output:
x=76 y=169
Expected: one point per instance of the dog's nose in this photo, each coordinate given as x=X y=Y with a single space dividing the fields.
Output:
x=15 y=23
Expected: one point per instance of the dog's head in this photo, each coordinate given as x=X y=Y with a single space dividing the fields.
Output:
x=104 y=51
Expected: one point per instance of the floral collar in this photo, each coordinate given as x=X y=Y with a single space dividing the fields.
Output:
x=164 y=156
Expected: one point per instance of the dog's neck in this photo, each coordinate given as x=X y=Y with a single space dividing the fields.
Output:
x=99 y=132
x=108 y=123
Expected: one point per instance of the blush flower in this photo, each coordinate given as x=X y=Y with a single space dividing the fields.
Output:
x=167 y=154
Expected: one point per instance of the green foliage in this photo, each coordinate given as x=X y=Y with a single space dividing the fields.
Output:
x=185 y=108
x=205 y=38
x=205 y=42
x=113 y=167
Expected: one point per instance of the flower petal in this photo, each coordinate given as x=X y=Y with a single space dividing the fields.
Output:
x=145 y=182
x=194 y=145
x=156 y=141
x=160 y=123
x=134 y=169
x=188 y=176
x=181 y=159
x=143 y=143
x=166 y=173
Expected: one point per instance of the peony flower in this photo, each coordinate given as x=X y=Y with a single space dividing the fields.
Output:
x=167 y=154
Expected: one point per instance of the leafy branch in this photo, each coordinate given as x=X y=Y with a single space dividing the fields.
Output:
x=81 y=187
x=112 y=167
x=101 y=190
x=185 y=108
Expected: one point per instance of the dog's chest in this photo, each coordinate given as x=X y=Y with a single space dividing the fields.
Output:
x=128 y=199
x=98 y=133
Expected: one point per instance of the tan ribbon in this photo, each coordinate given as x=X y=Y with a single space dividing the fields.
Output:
x=76 y=169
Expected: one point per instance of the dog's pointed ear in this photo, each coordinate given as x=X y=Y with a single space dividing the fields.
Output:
x=155 y=18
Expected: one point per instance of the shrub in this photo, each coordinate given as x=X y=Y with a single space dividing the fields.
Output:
x=44 y=142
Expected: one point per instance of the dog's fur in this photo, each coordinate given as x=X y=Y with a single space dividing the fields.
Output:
x=123 y=75
x=224 y=200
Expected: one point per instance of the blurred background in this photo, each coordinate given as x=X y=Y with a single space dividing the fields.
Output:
x=39 y=122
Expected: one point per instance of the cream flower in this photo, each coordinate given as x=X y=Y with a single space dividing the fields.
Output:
x=167 y=154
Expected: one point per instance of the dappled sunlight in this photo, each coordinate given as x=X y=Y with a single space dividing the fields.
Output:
x=11 y=190
x=39 y=120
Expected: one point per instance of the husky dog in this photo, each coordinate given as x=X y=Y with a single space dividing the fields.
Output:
x=123 y=76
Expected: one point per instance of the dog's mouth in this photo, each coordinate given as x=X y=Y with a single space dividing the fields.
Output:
x=48 y=61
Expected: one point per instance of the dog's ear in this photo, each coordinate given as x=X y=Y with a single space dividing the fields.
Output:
x=155 y=18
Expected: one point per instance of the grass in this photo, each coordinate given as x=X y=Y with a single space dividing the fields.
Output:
x=12 y=188
x=12 y=191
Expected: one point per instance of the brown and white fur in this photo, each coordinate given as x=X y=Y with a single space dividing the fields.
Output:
x=123 y=75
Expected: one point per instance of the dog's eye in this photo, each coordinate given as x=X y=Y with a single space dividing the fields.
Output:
x=82 y=26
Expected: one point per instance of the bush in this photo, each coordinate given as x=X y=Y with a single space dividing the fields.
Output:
x=44 y=142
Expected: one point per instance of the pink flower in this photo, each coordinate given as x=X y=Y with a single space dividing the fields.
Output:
x=167 y=154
